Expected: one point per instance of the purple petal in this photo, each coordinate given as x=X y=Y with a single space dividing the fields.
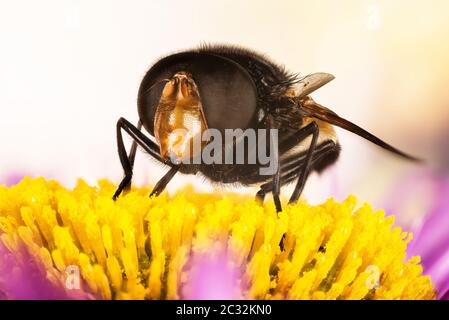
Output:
x=211 y=278
x=22 y=278
x=431 y=237
x=13 y=179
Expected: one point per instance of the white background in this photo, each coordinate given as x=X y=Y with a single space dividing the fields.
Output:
x=70 y=69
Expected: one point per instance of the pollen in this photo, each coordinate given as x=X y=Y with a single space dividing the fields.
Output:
x=165 y=247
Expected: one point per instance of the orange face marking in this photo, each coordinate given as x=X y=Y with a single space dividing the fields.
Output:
x=179 y=118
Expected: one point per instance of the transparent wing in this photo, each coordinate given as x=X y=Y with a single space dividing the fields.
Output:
x=313 y=82
x=314 y=110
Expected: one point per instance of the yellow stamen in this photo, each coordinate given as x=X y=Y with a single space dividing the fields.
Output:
x=140 y=247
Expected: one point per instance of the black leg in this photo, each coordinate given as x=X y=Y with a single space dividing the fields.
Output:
x=311 y=129
x=277 y=183
x=293 y=161
x=161 y=184
x=285 y=144
x=260 y=195
x=132 y=157
x=127 y=162
x=132 y=152
x=290 y=167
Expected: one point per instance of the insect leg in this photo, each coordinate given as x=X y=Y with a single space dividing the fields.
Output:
x=293 y=161
x=260 y=195
x=132 y=156
x=127 y=162
x=311 y=128
x=277 y=183
x=286 y=144
x=132 y=152
x=292 y=164
x=161 y=184
x=303 y=133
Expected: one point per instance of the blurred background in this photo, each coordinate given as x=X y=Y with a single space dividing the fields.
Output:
x=69 y=69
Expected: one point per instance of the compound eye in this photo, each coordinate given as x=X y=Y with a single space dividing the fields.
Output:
x=227 y=92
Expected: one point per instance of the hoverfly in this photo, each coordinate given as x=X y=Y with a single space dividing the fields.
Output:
x=227 y=87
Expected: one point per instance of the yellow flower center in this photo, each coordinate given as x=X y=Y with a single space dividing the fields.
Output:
x=138 y=248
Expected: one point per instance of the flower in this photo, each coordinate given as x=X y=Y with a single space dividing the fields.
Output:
x=24 y=278
x=431 y=239
x=211 y=277
x=160 y=248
